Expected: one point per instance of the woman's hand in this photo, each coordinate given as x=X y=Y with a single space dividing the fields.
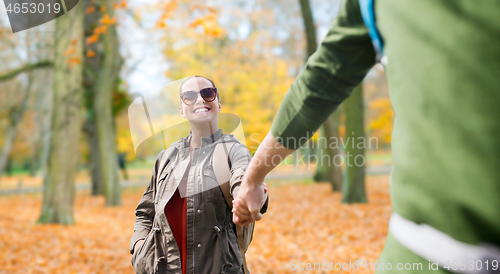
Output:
x=242 y=213
x=138 y=244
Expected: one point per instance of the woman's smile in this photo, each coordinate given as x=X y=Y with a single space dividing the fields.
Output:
x=203 y=109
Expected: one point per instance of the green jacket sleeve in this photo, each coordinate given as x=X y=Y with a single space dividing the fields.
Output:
x=341 y=62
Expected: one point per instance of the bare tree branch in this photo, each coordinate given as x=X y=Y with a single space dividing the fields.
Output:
x=25 y=68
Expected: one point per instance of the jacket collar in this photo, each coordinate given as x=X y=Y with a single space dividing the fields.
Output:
x=204 y=140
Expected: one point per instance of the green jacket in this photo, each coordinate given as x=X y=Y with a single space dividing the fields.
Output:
x=444 y=82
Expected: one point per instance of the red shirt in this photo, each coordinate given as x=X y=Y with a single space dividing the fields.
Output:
x=176 y=212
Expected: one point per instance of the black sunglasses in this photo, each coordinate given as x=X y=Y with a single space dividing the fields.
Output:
x=190 y=97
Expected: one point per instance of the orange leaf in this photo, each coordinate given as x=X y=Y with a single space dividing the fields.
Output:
x=160 y=24
x=72 y=61
x=196 y=23
x=102 y=9
x=74 y=41
x=90 y=9
x=123 y=4
x=69 y=51
x=106 y=20
x=216 y=32
x=91 y=53
x=100 y=30
x=92 y=39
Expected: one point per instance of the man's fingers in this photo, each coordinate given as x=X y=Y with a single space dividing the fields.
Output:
x=242 y=220
x=240 y=208
x=256 y=215
x=246 y=223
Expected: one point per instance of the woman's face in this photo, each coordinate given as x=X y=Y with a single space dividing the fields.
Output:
x=201 y=110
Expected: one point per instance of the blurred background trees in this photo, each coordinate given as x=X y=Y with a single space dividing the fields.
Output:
x=102 y=67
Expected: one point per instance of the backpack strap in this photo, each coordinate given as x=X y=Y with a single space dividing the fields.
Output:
x=223 y=176
x=367 y=8
x=222 y=170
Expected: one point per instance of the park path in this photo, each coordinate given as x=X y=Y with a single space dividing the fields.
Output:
x=20 y=189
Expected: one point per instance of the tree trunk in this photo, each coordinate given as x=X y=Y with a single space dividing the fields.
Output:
x=58 y=195
x=328 y=169
x=310 y=29
x=8 y=166
x=91 y=72
x=325 y=171
x=15 y=115
x=334 y=172
x=354 y=179
x=101 y=79
x=44 y=109
x=33 y=161
x=94 y=165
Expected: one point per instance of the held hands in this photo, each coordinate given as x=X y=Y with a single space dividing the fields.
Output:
x=247 y=205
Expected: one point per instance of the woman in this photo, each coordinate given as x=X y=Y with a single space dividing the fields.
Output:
x=183 y=223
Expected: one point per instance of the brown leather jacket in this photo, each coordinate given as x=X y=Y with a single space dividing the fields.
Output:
x=212 y=245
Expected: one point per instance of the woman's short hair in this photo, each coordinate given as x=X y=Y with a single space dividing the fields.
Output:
x=185 y=80
x=182 y=84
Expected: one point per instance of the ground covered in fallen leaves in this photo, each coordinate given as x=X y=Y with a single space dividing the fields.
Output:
x=306 y=223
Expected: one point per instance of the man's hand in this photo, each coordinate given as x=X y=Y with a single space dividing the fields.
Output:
x=247 y=205
x=137 y=245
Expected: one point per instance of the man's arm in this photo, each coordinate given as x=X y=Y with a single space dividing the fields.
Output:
x=269 y=154
x=341 y=62
x=328 y=78
x=240 y=157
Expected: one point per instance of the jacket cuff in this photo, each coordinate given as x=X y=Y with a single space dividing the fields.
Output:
x=264 y=207
x=138 y=235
